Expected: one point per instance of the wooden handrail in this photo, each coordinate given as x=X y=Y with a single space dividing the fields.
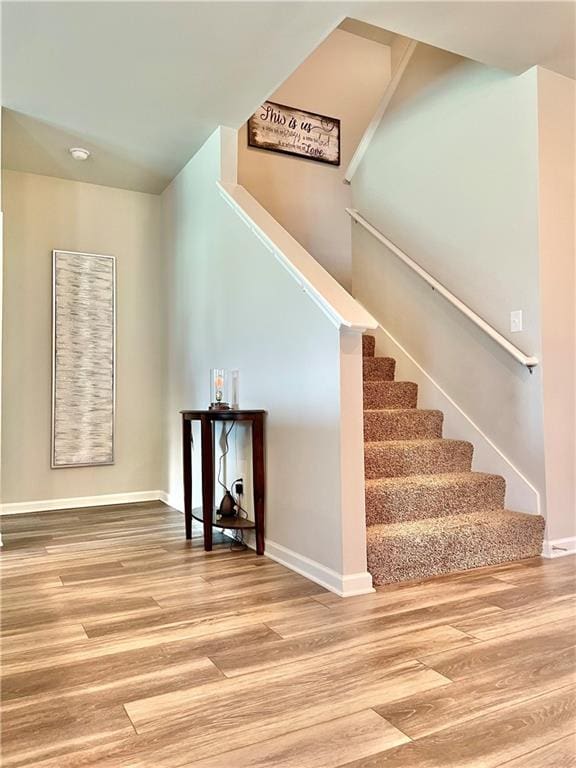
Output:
x=527 y=360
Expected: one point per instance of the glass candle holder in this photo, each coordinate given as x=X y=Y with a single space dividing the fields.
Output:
x=219 y=399
x=235 y=389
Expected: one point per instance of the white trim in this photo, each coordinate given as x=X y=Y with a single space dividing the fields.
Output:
x=368 y=135
x=525 y=496
x=105 y=500
x=340 y=584
x=527 y=360
x=336 y=303
x=559 y=547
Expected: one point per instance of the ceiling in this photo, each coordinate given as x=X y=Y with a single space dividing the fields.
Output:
x=513 y=35
x=140 y=84
x=143 y=84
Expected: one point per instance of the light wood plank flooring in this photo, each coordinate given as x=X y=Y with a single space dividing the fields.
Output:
x=125 y=646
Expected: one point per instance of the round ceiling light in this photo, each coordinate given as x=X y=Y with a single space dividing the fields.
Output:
x=79 y=153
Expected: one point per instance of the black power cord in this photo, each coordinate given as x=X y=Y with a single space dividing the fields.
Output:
x=224 y=453
x=238 y=543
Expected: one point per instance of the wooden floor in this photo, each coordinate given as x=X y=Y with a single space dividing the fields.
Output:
x=124 y=645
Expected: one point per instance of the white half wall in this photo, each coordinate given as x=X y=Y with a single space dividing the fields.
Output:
x=232 y=304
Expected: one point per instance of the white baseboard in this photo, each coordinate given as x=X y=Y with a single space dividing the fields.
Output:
x=345 y=586
x=559 y=547
x=105 y=500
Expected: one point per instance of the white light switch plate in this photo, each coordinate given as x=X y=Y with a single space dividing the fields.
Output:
x=516 y=321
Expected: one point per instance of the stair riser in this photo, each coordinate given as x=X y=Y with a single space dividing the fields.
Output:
x=409 y=558
x=390 y=394
x=402 y=425
x=378 y=368
x=416 y=501
x=392 y=460
x=368 y=344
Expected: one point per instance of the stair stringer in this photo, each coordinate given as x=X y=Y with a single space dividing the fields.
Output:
x=521 y=494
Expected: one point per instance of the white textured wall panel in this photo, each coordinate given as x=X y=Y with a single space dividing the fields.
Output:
x=83 y=372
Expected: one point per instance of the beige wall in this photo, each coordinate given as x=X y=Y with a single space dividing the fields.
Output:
x=557 y=132
x=344 y=77
x=43 y=213
x=452 y=178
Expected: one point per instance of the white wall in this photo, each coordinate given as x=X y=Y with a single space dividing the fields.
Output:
x=452 y=178
x=344 y=77
x=43 y=213
x=232 y=304
x=557 y=131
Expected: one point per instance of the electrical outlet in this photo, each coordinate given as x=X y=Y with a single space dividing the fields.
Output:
x=516 y=321
x=239 y=487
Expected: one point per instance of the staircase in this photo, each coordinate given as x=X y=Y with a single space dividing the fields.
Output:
x=427 y=513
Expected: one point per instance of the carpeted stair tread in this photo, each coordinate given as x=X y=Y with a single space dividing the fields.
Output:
x=390 y=394
x=393 y=458
x=413 y=497
x=378 y=368
x=368 y=345
x=422 y=548
x=402 y=424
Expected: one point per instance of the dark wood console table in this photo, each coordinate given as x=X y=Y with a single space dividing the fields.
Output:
x=207 y=514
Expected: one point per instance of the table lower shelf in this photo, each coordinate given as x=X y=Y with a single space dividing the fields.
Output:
x=224 y=522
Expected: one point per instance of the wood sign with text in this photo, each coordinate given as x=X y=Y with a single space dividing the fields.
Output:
x=278 y=128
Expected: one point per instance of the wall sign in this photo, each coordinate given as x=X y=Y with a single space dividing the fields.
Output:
x=278 y=128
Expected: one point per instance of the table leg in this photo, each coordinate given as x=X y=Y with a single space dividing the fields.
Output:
x=187 y=474
x=207 y=481
x=259 y=480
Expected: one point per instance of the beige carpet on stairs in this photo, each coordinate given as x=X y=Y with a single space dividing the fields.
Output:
x=427 y=512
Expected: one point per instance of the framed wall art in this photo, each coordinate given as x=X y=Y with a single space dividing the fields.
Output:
x=278 y=128
x=83 y=358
